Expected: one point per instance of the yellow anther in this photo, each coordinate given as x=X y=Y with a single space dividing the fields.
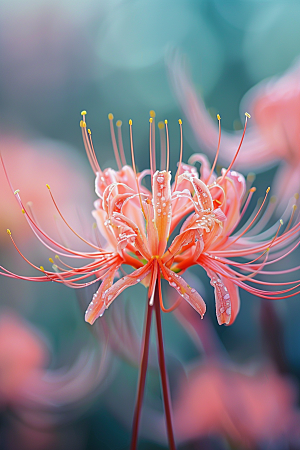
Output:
x=56 y=257
x=152 y=113
x=130 y=122
x=151 y=120
x=294 y=207
x=8 y=231
x=119 y=123
x=268 y=190
x=253 y=189
x=166 y=122
x=161 y=125
x=247 y=115
x=17 y=191
x=180 y=121
x=51 y=260
x=23 y=210
x=273 y=199
x=82 y=124
x=89 y=131
x=94 y=225
x=296 y=196
x=268 y=249
x=48 y=187
x=83 y=113
x=281 y=221
x=110 y=116
x=218 y=117
x=42 y=268
x=217 y=201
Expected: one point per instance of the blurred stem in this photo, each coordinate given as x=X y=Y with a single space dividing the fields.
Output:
x=163 y=372
x=142 y=377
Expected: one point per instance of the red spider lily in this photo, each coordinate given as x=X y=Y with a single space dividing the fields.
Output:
x=137 y=223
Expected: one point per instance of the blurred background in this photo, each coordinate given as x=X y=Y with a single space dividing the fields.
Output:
x=63 y=383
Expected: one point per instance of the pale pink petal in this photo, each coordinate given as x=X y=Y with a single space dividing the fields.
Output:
x=162 y=207
x=129 y=280
x=227 y=300
x=97 y=306
x=233 y=291
x=188 y=293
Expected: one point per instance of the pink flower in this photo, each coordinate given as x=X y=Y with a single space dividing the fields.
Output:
x=137 y=227
x=45 y=161
x=248 y=408
x=273 y=136
x=22 y=356
x=137 y=223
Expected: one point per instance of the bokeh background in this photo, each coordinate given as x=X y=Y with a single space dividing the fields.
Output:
x=57 y=58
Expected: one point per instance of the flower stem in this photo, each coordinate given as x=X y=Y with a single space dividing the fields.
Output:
x=163 y=372
x=142 y=377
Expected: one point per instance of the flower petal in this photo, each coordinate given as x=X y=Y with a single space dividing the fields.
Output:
x=162 y=207
x=129 y=280
x=188 y=293
x=97 y=306
x=226 y=296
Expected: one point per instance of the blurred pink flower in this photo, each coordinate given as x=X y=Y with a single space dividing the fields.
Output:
x=32 y=164
x=42 y=399
x=248 y=409
x=22 y=357
x=273 y=136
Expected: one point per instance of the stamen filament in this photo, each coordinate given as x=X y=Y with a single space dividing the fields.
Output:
x=218 y=150
x=239 y=147
x=114 y=142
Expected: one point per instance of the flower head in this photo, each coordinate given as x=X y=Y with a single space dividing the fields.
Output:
x=141 y=229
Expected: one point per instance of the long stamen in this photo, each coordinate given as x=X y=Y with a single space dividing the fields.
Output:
x=114 y=142
x=294 y=207
x=161 y=127
x=134 y=168
x=40 y=269
x=239 y=147
x=152 y=116
x=150 y=147
x=68 y=225
x=88 y=144
x=251 y=223
x=120 y=142
x=180 y=156
x=218 y=149
x=168 y=145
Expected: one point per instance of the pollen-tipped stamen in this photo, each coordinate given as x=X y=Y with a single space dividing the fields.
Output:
x=113 y=140
x=247 y=115
x=120 y=142
x=218 y=150
x=134 y=168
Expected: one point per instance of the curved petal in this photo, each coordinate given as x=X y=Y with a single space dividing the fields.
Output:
x=97 y=306
x=129 y=280
x=226 y=296
x=181 y=286
x=162 y=207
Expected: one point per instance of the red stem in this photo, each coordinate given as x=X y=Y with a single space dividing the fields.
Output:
x=142 y=378
x=163 y=371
